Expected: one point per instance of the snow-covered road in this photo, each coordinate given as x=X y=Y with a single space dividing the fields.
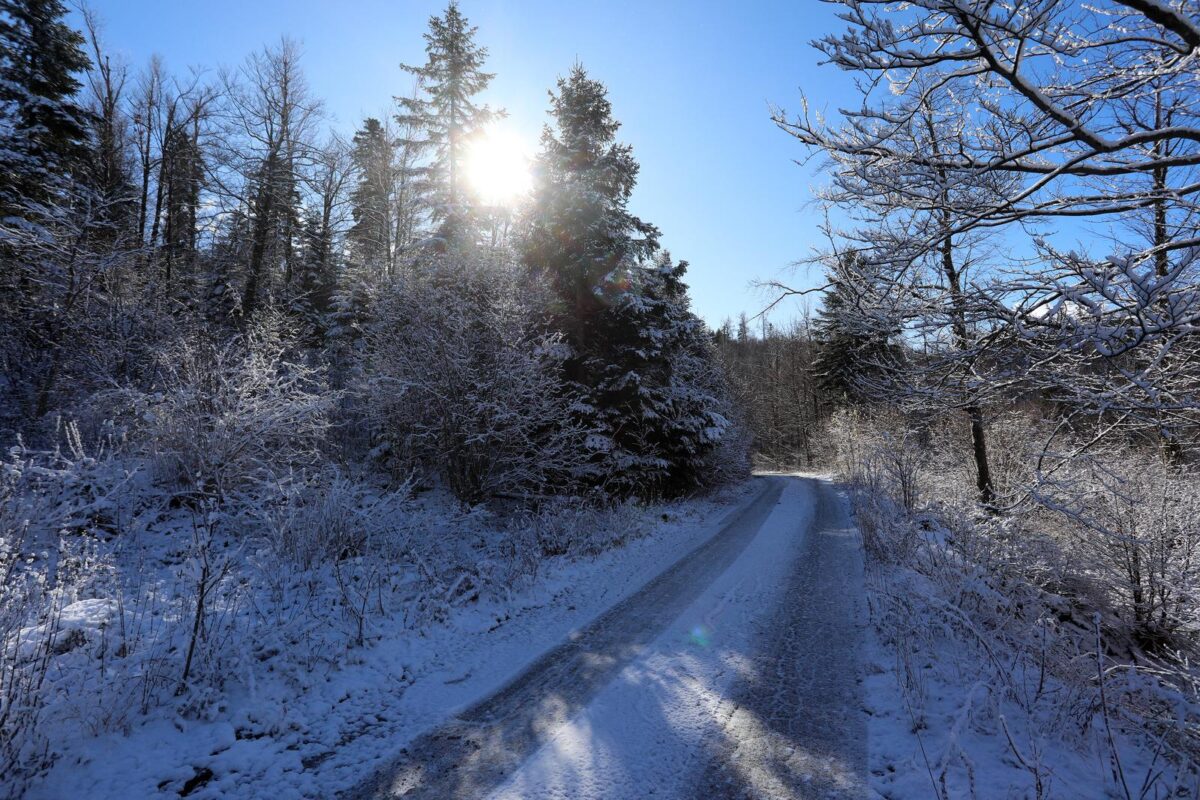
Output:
x=732 y=674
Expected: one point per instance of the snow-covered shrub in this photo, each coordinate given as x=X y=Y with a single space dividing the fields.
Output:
x=25 y=653
x=1131 y=520
x=566 y=526
x=352 y=552
x=55 y=606
x=889 y=534
x=886 y=459
x=1014 y=441
x=346 y=533
x=44 y=493
x=461 y=382
x=1051 y=599
x=730 y=461
x=231 y=415
x=313 y=519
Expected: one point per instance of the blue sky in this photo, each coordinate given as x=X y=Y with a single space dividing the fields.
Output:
x=690 y=81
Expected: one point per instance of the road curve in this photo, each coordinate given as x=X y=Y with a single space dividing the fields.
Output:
x=789 y=726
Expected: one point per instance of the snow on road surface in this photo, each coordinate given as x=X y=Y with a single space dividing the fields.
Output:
x=317 y=717
x=733 y=674
x=795 y=725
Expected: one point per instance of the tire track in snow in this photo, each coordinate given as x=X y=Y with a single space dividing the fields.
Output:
x=476 y=750
x=797 y=730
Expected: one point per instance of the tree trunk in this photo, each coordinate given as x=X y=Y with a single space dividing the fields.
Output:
x=258 y=247
x=958 y=326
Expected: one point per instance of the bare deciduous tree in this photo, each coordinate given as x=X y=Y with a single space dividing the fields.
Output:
x=268 y=145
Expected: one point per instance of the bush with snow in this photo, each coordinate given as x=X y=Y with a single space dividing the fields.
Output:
x=56 y=507
x=464 y=384
x=1078 y=605
x=232 y=414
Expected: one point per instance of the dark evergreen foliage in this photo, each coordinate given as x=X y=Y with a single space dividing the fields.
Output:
x=854 y=343
x=639 y=356
x=371 y=235
x=43 y=128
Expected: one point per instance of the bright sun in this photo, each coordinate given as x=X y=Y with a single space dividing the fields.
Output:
x=498 y=167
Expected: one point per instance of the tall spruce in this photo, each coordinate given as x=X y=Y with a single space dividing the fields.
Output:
x=579 y=234
x=446 y=115
x=182 y=178
x=44 y=129
x=371 y=199
x=641 y=359
x=853 y=338
x=46 y=272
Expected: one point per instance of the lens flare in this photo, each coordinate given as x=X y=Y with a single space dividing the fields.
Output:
x=701 y=636
x=498 y=167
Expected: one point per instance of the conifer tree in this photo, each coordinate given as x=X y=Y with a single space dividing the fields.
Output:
x=853 y=340
x=446 y=115
x=660 y=396
x=317 y=276
x=371 y=201
x=269 y=139
x=182 y=176
x=580 y=236
x=45 y=131
x=639 y=357
x=45 y=275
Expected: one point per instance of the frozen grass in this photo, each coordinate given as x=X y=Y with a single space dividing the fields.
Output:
x=267 y=644
x=1008 y=660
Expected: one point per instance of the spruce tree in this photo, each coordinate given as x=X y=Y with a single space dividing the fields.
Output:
x=317 y=277
x=44 y=130
x=853 y=342
x=371 y=200
x=447 y=115
x=45 y=208
x=640 y=358
x=182 y=174
x=661 y=398
x=579 y=235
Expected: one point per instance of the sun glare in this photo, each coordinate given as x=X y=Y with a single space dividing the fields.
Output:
x=498 y=167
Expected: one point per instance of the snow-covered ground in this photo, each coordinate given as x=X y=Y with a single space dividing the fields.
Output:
x=715 y=648
x=733 y=674
x=713 y=708
x=975 y=693
x=304 y=724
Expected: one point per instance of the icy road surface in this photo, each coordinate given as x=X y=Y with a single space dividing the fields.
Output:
x=733 y=674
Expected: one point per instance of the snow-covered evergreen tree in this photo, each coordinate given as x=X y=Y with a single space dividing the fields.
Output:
x=370 y=237
x=852 y=341
x=43 y=130
x=317 y=274
x=579 y=235
x=638 y=354
x=46 y=212
x=660 y=397
x=446 y=114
